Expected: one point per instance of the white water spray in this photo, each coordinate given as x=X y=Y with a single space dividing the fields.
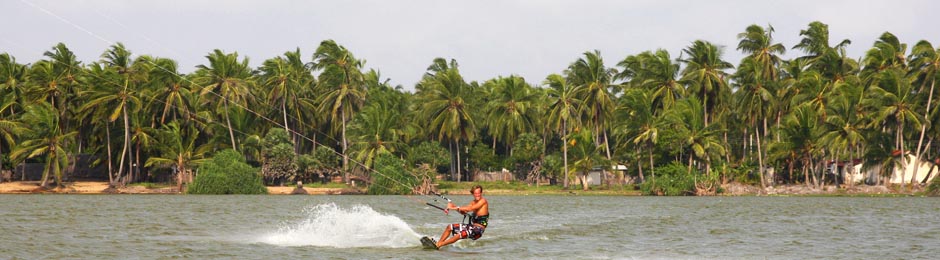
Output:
x=328 y=225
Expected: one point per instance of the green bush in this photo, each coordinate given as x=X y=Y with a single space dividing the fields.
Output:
x=390 y=176
x=933 y=189
x=671 y=180
x=227 y=173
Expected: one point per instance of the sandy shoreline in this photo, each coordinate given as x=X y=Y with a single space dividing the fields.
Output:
x=100 y=187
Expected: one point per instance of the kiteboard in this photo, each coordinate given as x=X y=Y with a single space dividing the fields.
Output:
x=428 y=243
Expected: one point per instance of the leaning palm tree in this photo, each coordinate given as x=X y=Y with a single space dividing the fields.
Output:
x=341 y=89
x=563 y=109
x=925 y=65
x=228 y=80
x=441 y=95
x=47 y=140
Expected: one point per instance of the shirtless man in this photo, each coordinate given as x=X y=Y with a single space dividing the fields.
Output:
x=479 y=211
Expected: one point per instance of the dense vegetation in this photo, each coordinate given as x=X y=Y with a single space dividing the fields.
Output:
x=227 y=173
x=645 y=111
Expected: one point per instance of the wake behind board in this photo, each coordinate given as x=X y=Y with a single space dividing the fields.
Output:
x=428 y=243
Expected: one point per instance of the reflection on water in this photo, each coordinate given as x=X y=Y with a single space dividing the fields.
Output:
x=522 y=227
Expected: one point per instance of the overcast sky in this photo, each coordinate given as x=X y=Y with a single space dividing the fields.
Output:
x=401 y=38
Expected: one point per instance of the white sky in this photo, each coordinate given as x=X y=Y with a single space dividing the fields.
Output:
x=401 y=38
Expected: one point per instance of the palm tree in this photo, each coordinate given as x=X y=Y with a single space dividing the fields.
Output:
x=758 y=44
x=888 y=52
x=754 y=99
x=563 y=108
x=511 y=109
x=169 y=90
x=341 y=83
x=657 y=72
x=687 y=124
x=705 y=73
x=287 y=80
x=227 y=79
x=815 y=42
x=46 y=139
x=12 y=80
x=587 y=155
x=800 y=132
x=893 y=101
x=375 y=131
x=639 y=124
x=925 y=65
x=8 y=129
x=118 y=97
x=592 y=81
x=845 y=122
x=441 y=95
x=179 y=150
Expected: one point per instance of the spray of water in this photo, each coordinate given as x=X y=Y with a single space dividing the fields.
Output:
x=328 y=225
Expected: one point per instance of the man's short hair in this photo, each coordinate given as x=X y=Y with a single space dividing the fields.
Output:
x=476 y=187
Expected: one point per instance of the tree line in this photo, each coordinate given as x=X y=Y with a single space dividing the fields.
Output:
x=313 y=117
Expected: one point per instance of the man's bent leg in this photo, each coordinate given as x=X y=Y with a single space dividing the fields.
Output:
x=447 y=231
x=449 y=241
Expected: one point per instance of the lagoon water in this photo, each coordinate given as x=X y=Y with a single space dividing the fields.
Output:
x=521 y=227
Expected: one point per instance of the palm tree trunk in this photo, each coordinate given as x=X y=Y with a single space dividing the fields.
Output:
x=607 y=149
x=127 y=145
x=137 y=159
x=228 y=122
x=923 y=129
x=45 y=173
x=345 y=157
x=284 y=112
x=639 y=167
x=652 y=168
x=805 y=173
x=564 y=150
x=107 y=130
x=453 y=159
x=180 y=170
x=584 y=184
x=458 y=160
x=120 y=173
x=760 y=160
